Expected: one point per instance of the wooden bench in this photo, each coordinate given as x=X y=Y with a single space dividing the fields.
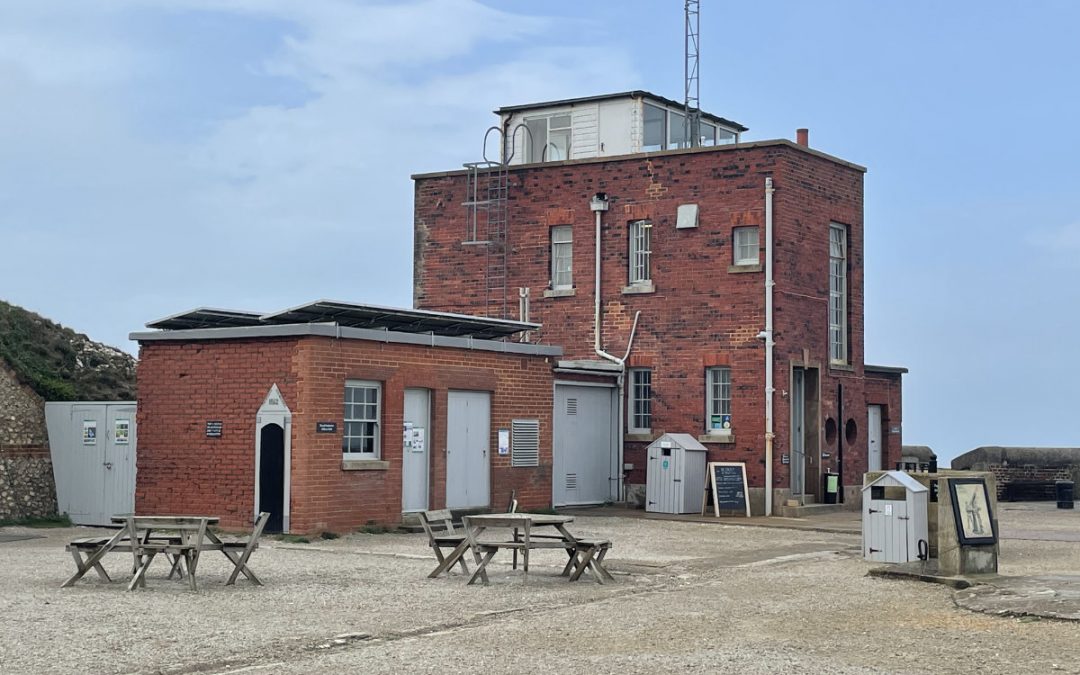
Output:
x=439 y=527
x=589 y=554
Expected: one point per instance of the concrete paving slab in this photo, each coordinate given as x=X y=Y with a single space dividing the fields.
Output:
x=1050 y=596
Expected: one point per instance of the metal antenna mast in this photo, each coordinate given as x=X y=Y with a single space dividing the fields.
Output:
x=692 y=104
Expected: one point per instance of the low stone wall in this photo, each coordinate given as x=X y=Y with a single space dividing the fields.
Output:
x=27 y=488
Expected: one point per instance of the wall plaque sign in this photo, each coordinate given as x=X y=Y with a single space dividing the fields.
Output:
x=326 y=427
x=214 y=428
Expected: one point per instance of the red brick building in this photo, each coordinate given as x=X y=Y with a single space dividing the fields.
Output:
x=335 y=416
x=684 y=253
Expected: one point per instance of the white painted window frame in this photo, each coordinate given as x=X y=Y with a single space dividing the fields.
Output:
x=376 y=452
x=547 y=117
x=640 y=408
x=741 y=248
x=562 y=248
x=838 y=290
x=640 y=267
x=717 y=384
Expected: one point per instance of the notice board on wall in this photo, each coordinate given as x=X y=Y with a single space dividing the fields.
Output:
x=726 y=488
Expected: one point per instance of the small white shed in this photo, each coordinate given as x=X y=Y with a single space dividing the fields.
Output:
x=93 y=457
x=675 y=474
x=894 y=518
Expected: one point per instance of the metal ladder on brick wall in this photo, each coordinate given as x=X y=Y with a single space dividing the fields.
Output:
x=487 y=187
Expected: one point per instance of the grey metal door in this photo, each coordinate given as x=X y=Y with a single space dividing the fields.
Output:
x=468 y=440
x=88 y=466
x=414 y=451
x=873 y=435
x=583 y=454
x=119 y=460
x=798 y=438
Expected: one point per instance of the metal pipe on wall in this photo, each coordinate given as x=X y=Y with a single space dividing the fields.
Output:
x=769 y=390
x=599 y=204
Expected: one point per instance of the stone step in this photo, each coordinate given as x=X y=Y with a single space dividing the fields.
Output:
x=809 y=510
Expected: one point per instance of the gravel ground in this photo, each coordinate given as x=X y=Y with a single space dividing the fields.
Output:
x=690 y=597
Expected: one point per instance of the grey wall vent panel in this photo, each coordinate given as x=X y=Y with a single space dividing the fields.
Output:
x=571 y=481
x=571 y=406
x=525 y=443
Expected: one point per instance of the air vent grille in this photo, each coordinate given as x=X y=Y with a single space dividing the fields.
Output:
x=571 y=406
x=525 y=443
x=571 y=481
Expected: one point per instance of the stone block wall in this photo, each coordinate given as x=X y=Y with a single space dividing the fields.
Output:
x=27 y=489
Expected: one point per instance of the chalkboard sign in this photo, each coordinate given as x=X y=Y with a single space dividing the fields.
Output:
x=725 y=487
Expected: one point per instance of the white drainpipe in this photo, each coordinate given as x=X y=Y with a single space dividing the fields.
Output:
x=769 y=283
x=599 y=204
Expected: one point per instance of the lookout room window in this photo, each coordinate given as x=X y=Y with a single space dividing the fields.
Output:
x=640 y=252
x=640 y=400
x=838 y=347
x=746 y=245
x=677 y=136
x=362 y=408
x=548 y=138
x=718 y=400
x=562 y=257
x=655 y=129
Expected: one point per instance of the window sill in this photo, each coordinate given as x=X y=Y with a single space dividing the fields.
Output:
x=364 y=465
x=743 y=269
x=727 y=438
x=560 y=292
x=640 y=436
x=639 y=288
x=842 y=366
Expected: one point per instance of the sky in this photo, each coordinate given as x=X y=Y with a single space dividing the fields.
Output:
x=160 y=155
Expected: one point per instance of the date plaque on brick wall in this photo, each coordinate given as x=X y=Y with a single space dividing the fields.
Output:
x=214 y=428
x=326 y=427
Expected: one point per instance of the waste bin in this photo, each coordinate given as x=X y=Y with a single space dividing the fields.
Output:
x=1064 y=494
x=832 y=486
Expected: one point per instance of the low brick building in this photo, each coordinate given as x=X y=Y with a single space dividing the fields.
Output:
x=332 y=416
x=636 y=244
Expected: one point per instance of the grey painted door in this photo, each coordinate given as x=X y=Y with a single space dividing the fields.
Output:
x=885 y=526
x=414 y=451
x=468 y=440
x=873 y=435
x=119 y=460
x=88 y=445
x=798 y=422
x=584 y=457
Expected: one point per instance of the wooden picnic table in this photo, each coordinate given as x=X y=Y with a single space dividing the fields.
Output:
x=582 y=553
x=180 y=538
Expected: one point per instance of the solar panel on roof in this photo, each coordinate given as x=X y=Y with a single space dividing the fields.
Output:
x=401 y=320
x=206 y=317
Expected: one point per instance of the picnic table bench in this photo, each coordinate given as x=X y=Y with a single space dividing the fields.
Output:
x=583 y=554
x=181 y=539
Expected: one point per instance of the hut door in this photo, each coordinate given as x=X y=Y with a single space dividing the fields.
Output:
x=414 y=451
x=273 y=459
x=798 y=421
x=873 y=433
x=468 y=439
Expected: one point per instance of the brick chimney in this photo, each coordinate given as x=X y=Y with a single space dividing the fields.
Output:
x=802 y=137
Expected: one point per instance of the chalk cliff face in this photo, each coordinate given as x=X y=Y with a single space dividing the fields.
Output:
x=59 y=364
